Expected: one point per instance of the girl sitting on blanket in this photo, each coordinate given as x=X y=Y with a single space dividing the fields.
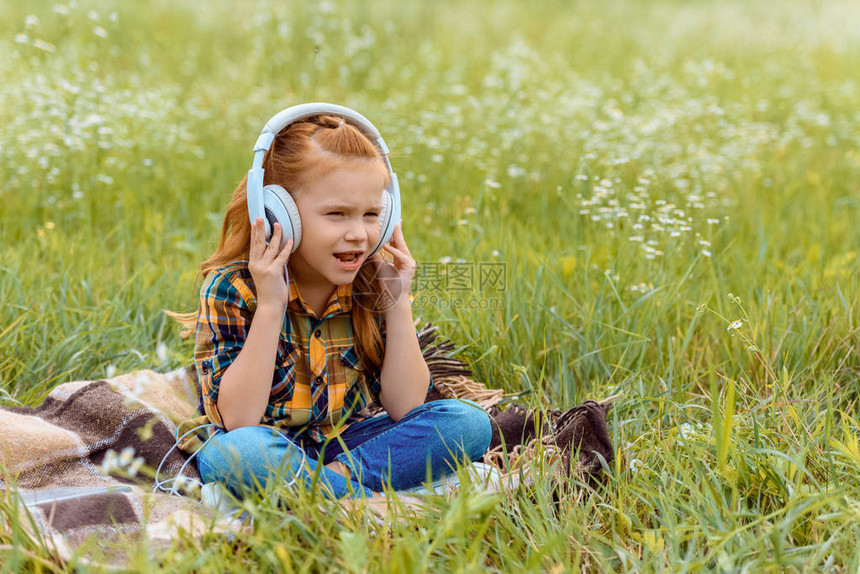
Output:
x=286 y=365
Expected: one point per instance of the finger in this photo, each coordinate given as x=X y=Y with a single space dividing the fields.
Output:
x=399 y=256
x=393 y=250
x=284 y=255
x=274 y=242
x=399 y=240
x=396 y=234
x=257 y=239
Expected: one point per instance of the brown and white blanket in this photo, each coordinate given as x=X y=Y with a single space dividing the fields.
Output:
x=80 y=464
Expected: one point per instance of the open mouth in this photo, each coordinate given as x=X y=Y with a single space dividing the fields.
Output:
x=349 y=256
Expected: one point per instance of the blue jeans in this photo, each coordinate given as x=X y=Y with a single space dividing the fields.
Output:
x=379 y=452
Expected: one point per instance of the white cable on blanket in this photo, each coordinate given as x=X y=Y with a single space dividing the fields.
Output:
x=161 y=484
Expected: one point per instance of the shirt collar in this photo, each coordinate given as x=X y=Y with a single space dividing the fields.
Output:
x=339 y=302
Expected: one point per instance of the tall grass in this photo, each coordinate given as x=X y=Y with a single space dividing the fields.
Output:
x=649 y=174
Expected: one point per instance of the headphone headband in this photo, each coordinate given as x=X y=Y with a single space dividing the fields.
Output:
x=285 y=117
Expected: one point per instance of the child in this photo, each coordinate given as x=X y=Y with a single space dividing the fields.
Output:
x=286 y=364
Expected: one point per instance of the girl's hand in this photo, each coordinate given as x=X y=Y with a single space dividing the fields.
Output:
x=267 y=265
x=395 y=278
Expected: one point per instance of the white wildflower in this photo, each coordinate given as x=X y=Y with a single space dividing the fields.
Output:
x=515 y=171
x=31 y=20
x=686 y=430
x=735 y=325
x=635 y=465
x=135 y=465
x=126 y=456
x=109 y=462
x=161 y=351
x=100 y=32
x=492 y=184
x=44 y=46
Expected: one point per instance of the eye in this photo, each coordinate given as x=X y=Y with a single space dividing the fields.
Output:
x=371 y=214
x=334 y=213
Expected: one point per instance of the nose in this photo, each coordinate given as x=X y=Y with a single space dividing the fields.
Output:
x=356 y=231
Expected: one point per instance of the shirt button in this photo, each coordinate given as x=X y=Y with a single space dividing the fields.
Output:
x=318 y=333
x=319 y=380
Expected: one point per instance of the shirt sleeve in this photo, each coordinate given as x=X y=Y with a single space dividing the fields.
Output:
x=222 y=328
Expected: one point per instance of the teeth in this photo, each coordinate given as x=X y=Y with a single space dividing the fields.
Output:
x=347 y=257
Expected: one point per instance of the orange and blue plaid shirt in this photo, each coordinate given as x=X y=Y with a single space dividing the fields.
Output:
x=318 y=380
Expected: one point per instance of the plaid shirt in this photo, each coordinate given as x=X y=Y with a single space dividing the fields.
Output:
x=318 y=380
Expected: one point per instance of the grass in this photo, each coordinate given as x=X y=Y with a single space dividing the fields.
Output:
x=648 y=173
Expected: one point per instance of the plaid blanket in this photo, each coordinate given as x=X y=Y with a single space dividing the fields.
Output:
x=80 y=463
x=73 y=466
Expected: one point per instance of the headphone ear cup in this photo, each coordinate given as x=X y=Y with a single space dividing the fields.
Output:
x=280 y=207
x=384 y=217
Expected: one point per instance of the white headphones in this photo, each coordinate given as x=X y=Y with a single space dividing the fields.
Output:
x=274 y=204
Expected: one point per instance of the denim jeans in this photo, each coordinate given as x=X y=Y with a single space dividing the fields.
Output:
x=379 y=452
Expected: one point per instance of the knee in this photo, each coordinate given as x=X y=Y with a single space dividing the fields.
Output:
x=471 y=423
x=245 y=451
x=221 y=452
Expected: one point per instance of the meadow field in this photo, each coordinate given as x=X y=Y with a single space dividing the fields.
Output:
x=669 y=188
